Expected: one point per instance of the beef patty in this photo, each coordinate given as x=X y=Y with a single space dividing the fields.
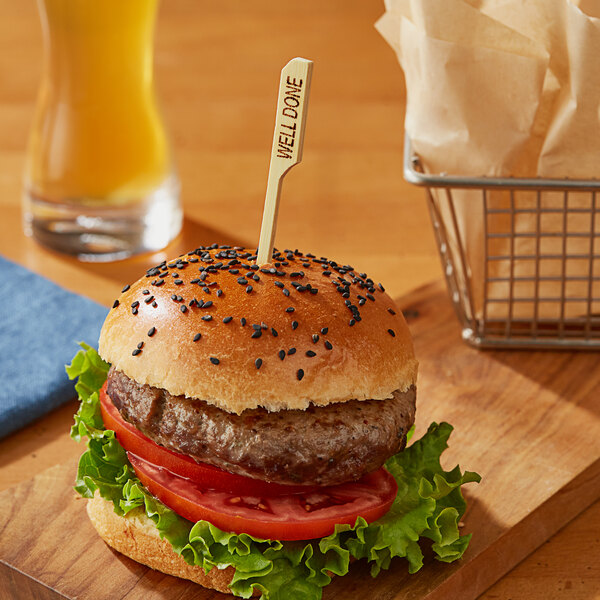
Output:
x=323 y=445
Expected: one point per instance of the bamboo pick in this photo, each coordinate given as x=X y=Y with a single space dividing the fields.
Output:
x=288 y=139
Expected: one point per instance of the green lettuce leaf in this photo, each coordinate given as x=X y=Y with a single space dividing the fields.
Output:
x=429 y=505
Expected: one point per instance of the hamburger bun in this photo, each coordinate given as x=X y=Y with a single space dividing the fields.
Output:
x=136 y=536
x=211 y=325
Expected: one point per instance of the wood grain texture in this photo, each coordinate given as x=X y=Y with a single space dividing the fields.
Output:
x=349 y=188
x=516 y=415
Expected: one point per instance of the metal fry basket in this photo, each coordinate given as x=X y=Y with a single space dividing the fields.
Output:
x=521 y=256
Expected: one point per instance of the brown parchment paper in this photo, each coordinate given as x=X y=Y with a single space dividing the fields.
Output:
x=509 y=88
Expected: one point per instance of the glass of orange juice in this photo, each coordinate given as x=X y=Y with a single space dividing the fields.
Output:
x=99 y=179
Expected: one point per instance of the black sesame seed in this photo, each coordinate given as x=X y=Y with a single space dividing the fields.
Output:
x=140 y=345
x=154 y=305
x=227 y=319
x=214 y=361
x=207 y=318
x=197 y=337
x=290 y=309
x=299 y=374
x=281 y=354
x=125 y=289
x=371 y=297
x=328 y=345
x=279 y=284
x=392 y=332
x=257 y=333
x=183 y=308
x=315 y=338
x=326 y=273
x=242 y=280
x=136 y=352
x=361 y=302
x=151 y=331
x=274 y=332
x=314 y=291
x=310 y=353
x=145 y=292
x=219 y=293
x=286 y=292
x=258 y=363
x=381 y=287
x=248 y=289
x=135 y=304
x=174 y=297
x=294 y=324
x=391 y=311
x=351 y=322
x=207 y=304
x=324 y=330
x=291 y=351
x=149 y=299
x=134 y=311
x=243 y=321
x=115 y=304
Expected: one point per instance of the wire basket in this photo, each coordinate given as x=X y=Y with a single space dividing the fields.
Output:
x=521 y=256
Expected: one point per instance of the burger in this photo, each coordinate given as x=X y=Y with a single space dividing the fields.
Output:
x=247 y=426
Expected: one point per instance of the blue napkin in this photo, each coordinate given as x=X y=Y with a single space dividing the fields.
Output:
x=40 y=326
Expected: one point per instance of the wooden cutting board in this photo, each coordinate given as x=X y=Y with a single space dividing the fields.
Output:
x=528 y=422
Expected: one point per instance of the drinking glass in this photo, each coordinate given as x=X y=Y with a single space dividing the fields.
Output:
x=99 y=178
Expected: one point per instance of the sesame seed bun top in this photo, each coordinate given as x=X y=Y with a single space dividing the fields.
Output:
x=212 y=325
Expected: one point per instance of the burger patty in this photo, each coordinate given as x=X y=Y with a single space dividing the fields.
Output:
x=322 y=445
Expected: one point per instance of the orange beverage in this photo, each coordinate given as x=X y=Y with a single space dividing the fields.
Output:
x=98 y=141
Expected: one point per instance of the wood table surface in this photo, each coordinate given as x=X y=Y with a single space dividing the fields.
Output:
x=217 y=68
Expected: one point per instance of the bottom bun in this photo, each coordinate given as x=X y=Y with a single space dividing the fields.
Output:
x=136 y=536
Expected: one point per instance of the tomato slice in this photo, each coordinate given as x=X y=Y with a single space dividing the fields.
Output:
x=207 y=476
x=290 y=517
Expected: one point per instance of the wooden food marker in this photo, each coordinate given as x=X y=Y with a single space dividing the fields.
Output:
x=288 y=139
